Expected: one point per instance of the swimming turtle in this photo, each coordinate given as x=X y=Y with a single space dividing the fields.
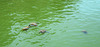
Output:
x=26 y=28
x=43 y=31
x=33 y=24
x=84 y=31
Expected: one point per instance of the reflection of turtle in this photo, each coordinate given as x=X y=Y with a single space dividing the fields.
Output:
x=43 y=31
x=33 y=24
x=26 y=28
x=84 y=31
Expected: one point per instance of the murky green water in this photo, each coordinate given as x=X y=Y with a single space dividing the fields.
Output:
x=64 y=19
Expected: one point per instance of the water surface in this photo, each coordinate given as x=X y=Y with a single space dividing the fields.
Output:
x=64 y=19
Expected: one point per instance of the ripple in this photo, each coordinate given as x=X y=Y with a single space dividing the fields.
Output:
x=64 y=19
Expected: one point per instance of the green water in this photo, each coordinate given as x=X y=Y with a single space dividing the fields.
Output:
x=63 y=19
